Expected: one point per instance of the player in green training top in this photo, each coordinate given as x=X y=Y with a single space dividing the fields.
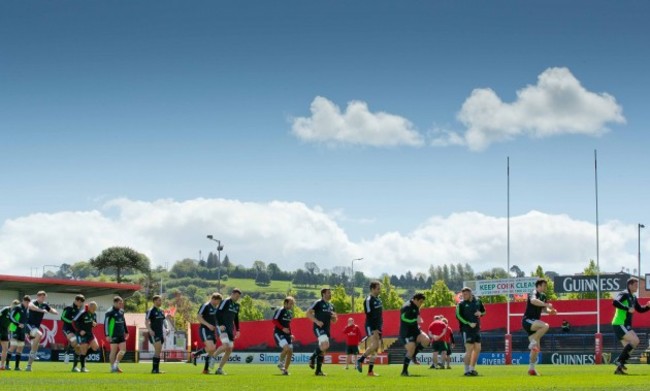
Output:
x=84 y=323
x=67 y=316
x=5 y=322
x=626 y=304
x=469 y=312
x=18 y=327
x=116 y=333
x=410 y=334
x=155 y=320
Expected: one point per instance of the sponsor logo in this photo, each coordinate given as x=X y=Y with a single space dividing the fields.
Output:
x=570 y=359
x=571 y=284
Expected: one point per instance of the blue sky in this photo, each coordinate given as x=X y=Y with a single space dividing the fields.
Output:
x=126 y=122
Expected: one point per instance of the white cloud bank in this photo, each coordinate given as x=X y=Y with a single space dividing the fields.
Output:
x=357 y=125
x=557 y=105
x=291 y=233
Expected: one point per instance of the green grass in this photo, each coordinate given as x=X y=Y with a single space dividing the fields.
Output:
x=56 y=376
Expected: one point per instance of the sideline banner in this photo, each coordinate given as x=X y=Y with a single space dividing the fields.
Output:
x=574 y=358
x=298 y=358
x=512 y=286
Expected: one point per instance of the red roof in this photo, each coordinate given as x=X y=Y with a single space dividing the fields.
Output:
x=89 y=288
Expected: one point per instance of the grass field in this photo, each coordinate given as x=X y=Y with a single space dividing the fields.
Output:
x=56 y=376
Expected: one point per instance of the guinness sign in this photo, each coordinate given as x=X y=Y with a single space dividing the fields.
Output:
x=584 y=284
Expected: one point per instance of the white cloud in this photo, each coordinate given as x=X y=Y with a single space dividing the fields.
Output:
x=357 y=126
x=558 y=104
x=291 y=233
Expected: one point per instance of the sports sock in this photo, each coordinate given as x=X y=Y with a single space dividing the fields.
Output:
x=407 y=361
x=82 y=358
x=207 y=363
x=371 y=367
x=319 y=363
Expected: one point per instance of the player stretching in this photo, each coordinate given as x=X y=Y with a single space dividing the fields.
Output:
x=322 y=314
x=626 y=304
x=373 y=308
x=155 y=321
x=468 y=313
x=282 y=333
x=37 y=309
x=67 y=316
x=116 y=333
x=409 y=330
x=536 y=303
x=207 y=317
x=84 y=323
x=5 y=322
x=227 y=327
x=18 y=317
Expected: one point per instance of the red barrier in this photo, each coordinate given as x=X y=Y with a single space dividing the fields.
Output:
x=260 y=333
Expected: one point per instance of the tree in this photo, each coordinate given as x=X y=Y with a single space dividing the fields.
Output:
x=81 y=270
x=121 y=259
x=439 y=295
x=518 y=272
x=248 y=310
x=259 y=267
x=263 y=279
x=388 y=295
x=273 y=269
x=64 y=272
x=226 y=264
x=312 y=268
x=340 y=300
x=185 y=268
x=550 y=288
x=185 y=311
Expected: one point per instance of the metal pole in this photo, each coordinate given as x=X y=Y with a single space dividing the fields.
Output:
x=597 y=247
x=218 y=266
x=638 y=289
x=508 y=246
x=352 y=282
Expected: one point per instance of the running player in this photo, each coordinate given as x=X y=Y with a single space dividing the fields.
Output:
x=353 y=335
x=437 y=333
x=322 y=314
x=67 y=315
x=373 y=308
x=469 y=312
x=207 y=317
x=409 y=330
x=282 y=333
x=5 y=322
x=18 y=317
x=536 y=303
x=116 y=333
x=84 y=322
x=37 y=309
x=626 y=304
x=227 y=327
x=155 y=321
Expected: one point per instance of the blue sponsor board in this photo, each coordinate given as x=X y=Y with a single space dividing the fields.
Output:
x=500 y=358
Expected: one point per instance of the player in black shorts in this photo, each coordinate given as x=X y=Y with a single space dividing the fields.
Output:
x=227 y=327
x=626 y=304
x=372 y=306
x=67 y=316
x=116 y=333
x=155 y=321
x=469 y=312
x=410 y=334
x=535 y=304
x=84 y=323
x=322 y=314
x=37 y=308
x=5 y=322
x=207 y=317
x=18 y=317
x=282 y=333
